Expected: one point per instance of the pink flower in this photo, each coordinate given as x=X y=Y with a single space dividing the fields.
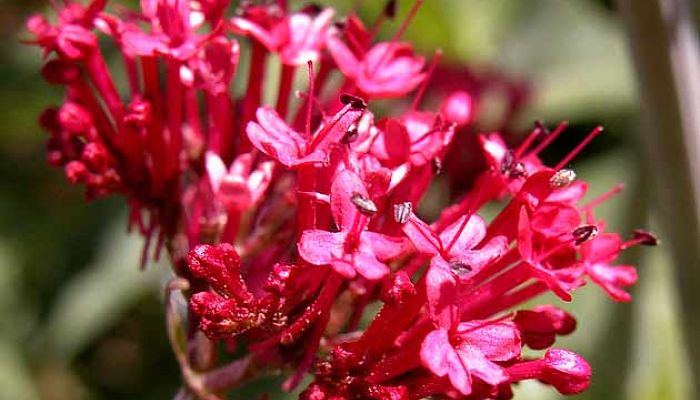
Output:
x=353 y=249
x=386 y=70
x=597 y=255
x=471 y=352
x=271 y=135
x=297 y=37
x=287 y=223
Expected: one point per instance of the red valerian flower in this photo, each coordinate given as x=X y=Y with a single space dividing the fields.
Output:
x=353 y=249
x=297 y=37
x=387 y=70
x=287 y=223
x=472 y=350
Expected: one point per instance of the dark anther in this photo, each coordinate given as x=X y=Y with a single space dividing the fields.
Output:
x=402 y=212
x=312 y=9
x=459 y=268
x=645 y=238
x=390 y=8
x=354 y=101
x=511 y=168
x=584 y=233
x=363 y=204
x=350 y=136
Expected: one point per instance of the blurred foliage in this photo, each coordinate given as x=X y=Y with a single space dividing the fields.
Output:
x=79 y=320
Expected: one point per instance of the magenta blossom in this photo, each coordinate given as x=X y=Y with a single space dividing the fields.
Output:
x=287 y=224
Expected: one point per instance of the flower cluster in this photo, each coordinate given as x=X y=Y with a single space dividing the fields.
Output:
x=290 y=220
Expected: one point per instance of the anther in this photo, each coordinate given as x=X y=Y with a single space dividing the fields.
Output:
x=350 y=136
x=363 y=204
x=562 y=178
x=390 y=9
x=584 y=233
x=511 y=168
x=402 y=212
x=459 y=268
x=645 y=238
x=354 y=101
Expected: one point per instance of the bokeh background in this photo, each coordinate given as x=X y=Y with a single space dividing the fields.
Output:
x=78 y=320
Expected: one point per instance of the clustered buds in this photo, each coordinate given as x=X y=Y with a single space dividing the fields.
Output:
x=290 y=219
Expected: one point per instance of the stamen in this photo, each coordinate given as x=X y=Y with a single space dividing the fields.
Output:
x=407 y=21
x=350 y=136
x=511 y=168
x=539 y=130
x=584 y=233
x=641 y=237
x=549 y=139
x=426 y=80
x=307 y=126
x=645 y=238
x=459 y=268
x=604 y=197
x=595 y=132
x=355 y=102
x=402 y=212
x=389 y=12
x=562 y=178
x=365 y=205
x=397 y=35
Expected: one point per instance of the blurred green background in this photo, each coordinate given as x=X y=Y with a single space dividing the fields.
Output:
x=78 y=320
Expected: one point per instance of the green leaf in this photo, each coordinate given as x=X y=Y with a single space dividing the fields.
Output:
x=98 y=296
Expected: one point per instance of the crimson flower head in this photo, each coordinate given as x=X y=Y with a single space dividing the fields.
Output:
x=288 y=223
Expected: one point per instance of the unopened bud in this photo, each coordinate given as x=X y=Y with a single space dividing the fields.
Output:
x=562 y=178
x=402 y=212
x=364 y=205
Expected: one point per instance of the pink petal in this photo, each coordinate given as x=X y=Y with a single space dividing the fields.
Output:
x=603 y=248
x=344 y=268
x=422 y=236
x=368 y=266
x=497 y=341
x=524 y=235
x=477 y=259
x=321 y=247
x=463 y=236
x=614 y=279
x=245 y=27
x=554 y=219
x=435 y=350
x=345 y=185
x=442 y=293
x=480 y=366
x=382 y=246
x=273 y=137
x=216 y=169
x=343 y=57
